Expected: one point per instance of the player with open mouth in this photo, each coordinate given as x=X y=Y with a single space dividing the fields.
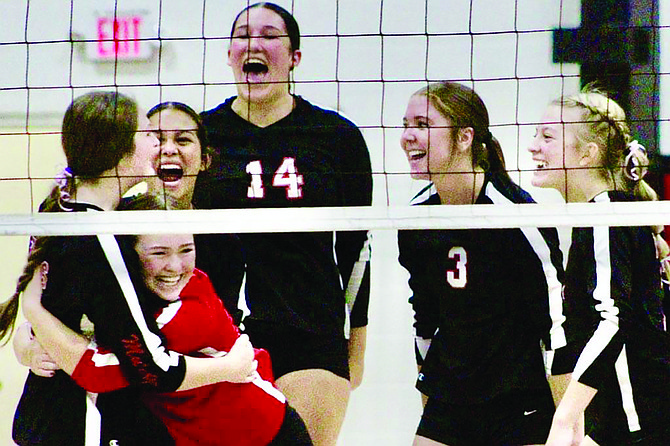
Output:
x=182 y=155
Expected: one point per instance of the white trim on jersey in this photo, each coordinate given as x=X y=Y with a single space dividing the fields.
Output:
x=355 y=279
x=609 y=325
x=163 y=359
x=168 y=313
x=93 y=427
x=102 y=359
x=424 y=194
x=623 y=376
x=422 y=345
x=554 y=286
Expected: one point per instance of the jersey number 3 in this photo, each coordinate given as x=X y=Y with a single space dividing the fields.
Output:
x=286 y=176
x=458 y=277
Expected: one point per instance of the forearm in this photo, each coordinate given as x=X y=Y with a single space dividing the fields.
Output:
x=558 y=385
x=357 y=344
x=238 y=366
x=567 y=425
x=64 y=345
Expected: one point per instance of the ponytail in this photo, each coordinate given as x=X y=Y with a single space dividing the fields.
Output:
x=491 y=159
x=9 y=310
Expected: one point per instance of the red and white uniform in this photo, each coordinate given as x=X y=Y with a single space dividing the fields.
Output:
x=223 y=413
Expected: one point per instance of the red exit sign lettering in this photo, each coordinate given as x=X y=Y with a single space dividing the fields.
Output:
x=124 y=35
x=120 y=37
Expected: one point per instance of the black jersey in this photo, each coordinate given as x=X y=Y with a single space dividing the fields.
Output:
x=81 y=282
x=486 y=298
x=220 y=257
x=311 y=158
x=615 y=323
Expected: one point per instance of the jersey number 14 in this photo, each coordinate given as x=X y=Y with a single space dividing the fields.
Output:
x=285 y=176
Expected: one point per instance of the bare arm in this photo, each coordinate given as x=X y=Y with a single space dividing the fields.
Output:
x=64 y=345
x=558 y=385
x=567 y=425
x=238 y=366
x=357 y=343
x=30 y=353
x=67 y=347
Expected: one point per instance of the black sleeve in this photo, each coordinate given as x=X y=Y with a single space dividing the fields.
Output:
x=220 y=257
x=423 y=300
x=353 y=247
x=121 y=323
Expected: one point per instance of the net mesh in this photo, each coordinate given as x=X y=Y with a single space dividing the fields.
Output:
x=363 y=59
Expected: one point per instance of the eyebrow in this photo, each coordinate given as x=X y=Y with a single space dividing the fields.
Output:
x=244 y=27
x=194 y=131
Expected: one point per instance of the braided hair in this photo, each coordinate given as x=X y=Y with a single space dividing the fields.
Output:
x=624 y=160
x=603 y=122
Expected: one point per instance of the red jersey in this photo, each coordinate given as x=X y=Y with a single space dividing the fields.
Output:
x=224 y=413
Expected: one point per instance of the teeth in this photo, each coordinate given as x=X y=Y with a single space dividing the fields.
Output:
x=255 y=66
x=415 y=154
x=170 y=172
x=170 y=280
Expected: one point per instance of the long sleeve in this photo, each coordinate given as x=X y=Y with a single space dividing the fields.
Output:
x=121 y=324
x=424 y=299
x=610 y=256
x=353 y=247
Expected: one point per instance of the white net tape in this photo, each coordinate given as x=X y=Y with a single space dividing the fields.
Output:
x=339 y=218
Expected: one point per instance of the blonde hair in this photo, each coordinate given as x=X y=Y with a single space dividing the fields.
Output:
x=603 y=122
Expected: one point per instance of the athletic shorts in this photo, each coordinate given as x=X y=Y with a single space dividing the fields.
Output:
x=293 y=431
x=607 y=425
x=292 y=349
x=516 y=418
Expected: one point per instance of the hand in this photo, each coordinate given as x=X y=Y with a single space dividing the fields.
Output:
x=30 y=353
x=240 y=363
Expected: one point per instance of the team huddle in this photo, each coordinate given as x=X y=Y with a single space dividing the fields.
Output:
x=142 y=340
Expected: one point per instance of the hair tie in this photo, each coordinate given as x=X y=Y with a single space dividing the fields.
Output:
x=632 y=168
x=64 y=181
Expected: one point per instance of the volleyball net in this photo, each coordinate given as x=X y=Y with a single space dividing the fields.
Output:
x=362 y=58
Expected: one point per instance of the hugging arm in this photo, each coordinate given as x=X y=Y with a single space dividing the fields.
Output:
x=74 y=353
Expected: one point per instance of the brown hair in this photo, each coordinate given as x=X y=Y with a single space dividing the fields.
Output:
x=463 y=107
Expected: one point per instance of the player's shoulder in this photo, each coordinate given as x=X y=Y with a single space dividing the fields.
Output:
x=322 y=114
x=218 y=112
x=500 y=189
x=426 y=196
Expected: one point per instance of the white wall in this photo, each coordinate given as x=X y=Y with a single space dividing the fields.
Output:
x=511 y=70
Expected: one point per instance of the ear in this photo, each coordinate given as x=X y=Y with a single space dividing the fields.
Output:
x=591 y=155
x=228 y=60
x=464 y=138
x=296 y=57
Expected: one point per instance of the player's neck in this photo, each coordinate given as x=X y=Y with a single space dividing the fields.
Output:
x=104 y=193
x=263 y=113
x=460 y=188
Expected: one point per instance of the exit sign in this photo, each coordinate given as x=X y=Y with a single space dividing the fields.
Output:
x=121 y=36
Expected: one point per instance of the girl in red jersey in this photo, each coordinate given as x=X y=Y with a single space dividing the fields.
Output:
x=246 y=409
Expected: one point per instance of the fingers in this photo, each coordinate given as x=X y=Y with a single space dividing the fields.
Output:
x=43 y=365
x=252 y=373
